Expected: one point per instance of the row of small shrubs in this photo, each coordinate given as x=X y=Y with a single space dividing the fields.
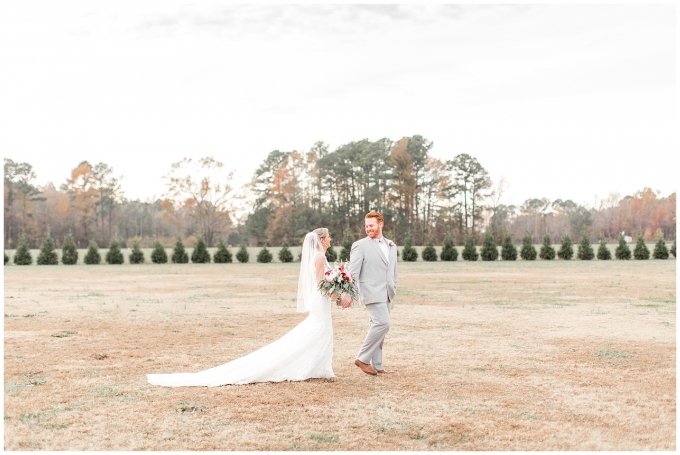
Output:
x=200 y=254
x=509 y=252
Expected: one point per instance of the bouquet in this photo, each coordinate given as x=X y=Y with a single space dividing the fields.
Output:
x=338 y=281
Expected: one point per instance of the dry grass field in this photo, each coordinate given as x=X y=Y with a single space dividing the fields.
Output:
x=487 y=356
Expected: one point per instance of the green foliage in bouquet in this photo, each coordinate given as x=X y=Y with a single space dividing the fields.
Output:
x=585 y=249
x=114 y=255
x=622 y=251
x=92 y=257
x=47 y=254
x=429 y=252
x=660 y=249
x=508 y=249
x=22 y=256
x=158 y=255
x=470 y=250
x=200 y=254
x=264 y=256
x=136 y=255
x=284 y=253
x=179 y=254
x=641 y=252
x=547 y=252
x=527 y=252
x=337 y=281
x=409 y=254
x=242 y=256
x=222 y=255
x=347 y=242
x=69 y=252
x=603 y=252
x=566 y=250
x=489 y=250
x=449 y=251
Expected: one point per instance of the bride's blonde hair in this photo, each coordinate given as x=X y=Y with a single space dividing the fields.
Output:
x=321 y=232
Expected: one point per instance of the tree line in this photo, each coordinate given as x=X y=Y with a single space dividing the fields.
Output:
x=294 y=192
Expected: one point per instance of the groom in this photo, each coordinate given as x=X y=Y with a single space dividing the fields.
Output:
x=373 y=264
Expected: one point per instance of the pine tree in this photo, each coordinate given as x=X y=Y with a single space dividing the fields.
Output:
x=6 y=257
x=331 y=255
x=200 y=254
x=22 y=256
x=622 y=251
x=660 y=249
x=603 y=252
x=137 y=255
x=585 y=249
x=528 y=251
x=47 y=254
x=264 y=256
x=409 y=254
x=114 y=255
x=508 y=249
x=242 y=256
x=222 y=255
x=429 y=253
x=69 y=253
x=470 y=250
x=92 y=257
x=449 y=251
x=489 y=250
x=284 y=253
x=158 y=255
x=547 y=252
x=179 y=254
x=641 y=252
x=346 y=246
x=566 y=250
x=673 y=248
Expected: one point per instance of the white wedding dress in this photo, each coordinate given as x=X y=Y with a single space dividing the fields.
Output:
x=303 y=353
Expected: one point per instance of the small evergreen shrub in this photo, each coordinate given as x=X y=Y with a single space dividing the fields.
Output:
x=622 y=251
x=200 y=254
x=69 y=252
x=22 y=256
x=114 y=255
x=47 y=254
x=222 y=255
x=265 y=257
x=508 y=249
x=331 y=255
x=429 y=252
x=449 y=251
x=92 y=257
x=347 y=242
x=159 y=255
x=660 y=249
x=137 y=255
x=242 y=256
x=179 y=254
x=470 y=250
x=6 y=257
x=528 y=251
x=284 y=253
x=566 y=250
x=489 y=250
x=585 y=249
x=547 y=252
x=641 y=252
x=409 y=254
x=673 y=248
x=603 y=252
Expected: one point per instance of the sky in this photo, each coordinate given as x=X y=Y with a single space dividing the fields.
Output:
x=562 y=101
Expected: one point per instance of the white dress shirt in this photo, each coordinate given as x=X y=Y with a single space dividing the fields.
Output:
x=382 y=243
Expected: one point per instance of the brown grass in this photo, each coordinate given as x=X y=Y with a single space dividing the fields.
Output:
x=488 y=356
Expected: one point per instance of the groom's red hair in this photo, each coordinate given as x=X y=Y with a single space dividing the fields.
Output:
x=375 y=215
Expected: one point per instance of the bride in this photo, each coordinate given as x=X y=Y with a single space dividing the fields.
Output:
x=304 y=352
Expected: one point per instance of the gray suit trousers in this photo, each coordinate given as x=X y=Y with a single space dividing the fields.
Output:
x=378 y=325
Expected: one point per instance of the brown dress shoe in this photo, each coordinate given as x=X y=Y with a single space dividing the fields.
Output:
x=365 y=367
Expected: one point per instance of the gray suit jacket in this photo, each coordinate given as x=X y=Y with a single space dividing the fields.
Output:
x=375 y=276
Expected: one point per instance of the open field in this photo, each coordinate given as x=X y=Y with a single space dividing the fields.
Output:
x=487 y=356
